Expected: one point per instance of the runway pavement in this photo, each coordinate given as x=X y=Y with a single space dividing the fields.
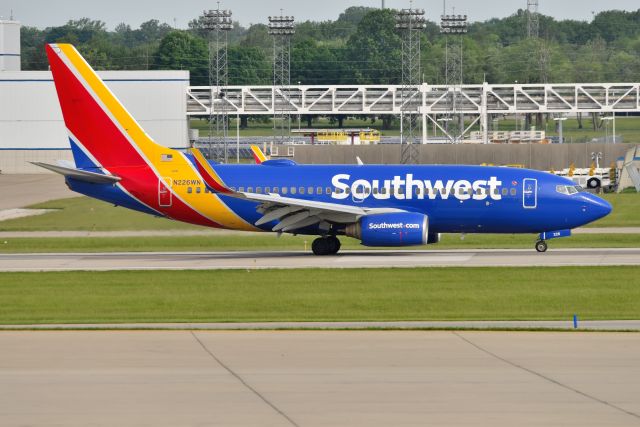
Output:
x=346 y=259
x=319 y=378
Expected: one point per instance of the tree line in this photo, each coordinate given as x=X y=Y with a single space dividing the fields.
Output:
x=363 y=47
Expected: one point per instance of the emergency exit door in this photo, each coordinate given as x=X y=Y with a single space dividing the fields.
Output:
x=530 y=193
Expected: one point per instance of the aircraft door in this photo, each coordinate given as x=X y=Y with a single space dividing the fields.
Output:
x=165 y=196
x=530 y=193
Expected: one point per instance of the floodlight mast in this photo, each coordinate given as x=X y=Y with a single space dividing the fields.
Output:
x=282 y=28
x=410 y=23
x=218 y=23
x=454 y=25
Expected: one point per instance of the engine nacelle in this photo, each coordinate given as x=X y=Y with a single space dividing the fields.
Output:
x=391 y=229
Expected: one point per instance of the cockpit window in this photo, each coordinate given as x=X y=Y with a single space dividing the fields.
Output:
x=569 y=189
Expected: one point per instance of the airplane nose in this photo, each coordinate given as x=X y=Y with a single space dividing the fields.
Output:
x=597 y=208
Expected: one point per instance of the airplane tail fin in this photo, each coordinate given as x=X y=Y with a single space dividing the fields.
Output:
x=258 y=155
x=101 y=131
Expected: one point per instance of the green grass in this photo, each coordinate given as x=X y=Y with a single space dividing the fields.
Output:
x=269 y=242
x=85 y=214
x=626 y=211
x=321 y=295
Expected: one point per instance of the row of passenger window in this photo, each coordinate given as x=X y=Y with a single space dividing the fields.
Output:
x=328 y=190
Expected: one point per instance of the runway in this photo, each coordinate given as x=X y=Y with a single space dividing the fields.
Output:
x=319 y=378
x=291 y=259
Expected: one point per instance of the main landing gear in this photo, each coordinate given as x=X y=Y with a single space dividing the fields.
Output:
x=541 y=246
x=329 y=245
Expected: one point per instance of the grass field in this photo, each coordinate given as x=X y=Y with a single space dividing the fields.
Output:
x=321 y=295
x=269 y=242
x=85 y=214
x=627 y=127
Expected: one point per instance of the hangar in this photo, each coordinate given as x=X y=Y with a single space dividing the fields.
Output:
x=31 y=125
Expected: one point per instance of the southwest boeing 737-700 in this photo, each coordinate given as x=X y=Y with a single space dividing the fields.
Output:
x=381 y=205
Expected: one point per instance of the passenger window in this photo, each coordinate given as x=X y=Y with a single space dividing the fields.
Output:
x=267 y=190
x=347 y=190
x=327 y=191
x=249 y=189
x=241 y=189
x=505 y=191
x=301 y=190
x=338 y=190
x=206 y=190
x=383 y=190
x=319 y=190
x=189 y=190
x=375 y=190
x=417 y=192
x=513 y=191
x=309 y=190
x=258 y=190
x=285 y=190
x=293 y=190
x=198 y=190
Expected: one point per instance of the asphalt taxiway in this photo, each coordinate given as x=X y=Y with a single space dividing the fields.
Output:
x=318 y=378
x=346 y=259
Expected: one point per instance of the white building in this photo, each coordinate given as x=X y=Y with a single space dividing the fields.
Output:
x=31 y=124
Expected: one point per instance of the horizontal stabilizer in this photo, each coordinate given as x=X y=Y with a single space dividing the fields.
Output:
x=80 y=175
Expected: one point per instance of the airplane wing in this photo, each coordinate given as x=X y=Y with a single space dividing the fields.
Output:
x=292 y=213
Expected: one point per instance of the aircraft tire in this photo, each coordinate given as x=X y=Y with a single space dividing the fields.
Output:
x=326 y=245
x=541 y=246
x=320 y=246
x=334 y=244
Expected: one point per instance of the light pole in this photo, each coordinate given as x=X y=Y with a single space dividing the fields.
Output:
x=560 y=120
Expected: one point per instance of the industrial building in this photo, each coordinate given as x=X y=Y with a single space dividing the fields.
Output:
x=31 y=124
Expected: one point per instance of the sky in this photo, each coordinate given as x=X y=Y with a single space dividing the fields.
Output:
x=47 y=13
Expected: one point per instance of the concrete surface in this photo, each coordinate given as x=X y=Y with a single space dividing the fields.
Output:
x=23 y=190
x=583 y=325
x=220 y=232
x=182 y=378
x=346 y=259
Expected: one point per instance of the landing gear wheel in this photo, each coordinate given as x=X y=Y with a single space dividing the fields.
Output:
x=326 y=245
x=541 y=246
x=334 y=244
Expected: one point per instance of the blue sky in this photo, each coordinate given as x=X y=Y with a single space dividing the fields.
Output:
x=44 y=13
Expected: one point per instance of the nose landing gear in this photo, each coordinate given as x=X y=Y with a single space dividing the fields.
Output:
x=541 y=246
x=329 y=245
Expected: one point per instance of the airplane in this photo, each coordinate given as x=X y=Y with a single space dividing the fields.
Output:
x=380 y=205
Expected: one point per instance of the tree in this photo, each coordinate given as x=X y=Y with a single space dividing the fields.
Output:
x=179 y=50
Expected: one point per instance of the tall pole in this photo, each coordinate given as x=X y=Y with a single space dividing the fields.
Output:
x=218 y=23
x=454 y=26
x=282 y=29
x=410 y=22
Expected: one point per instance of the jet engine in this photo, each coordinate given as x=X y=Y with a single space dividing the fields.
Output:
x=391 y=229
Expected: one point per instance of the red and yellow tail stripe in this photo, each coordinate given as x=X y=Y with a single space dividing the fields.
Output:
x=258 y=155
x=210 y=177
x=119 y=144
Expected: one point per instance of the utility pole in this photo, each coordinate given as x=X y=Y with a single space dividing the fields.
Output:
x=282 y=29
x=410 y=22
x=454 y=26
x=218 y=23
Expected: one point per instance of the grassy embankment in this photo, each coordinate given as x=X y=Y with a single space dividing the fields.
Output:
x=321 y=295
